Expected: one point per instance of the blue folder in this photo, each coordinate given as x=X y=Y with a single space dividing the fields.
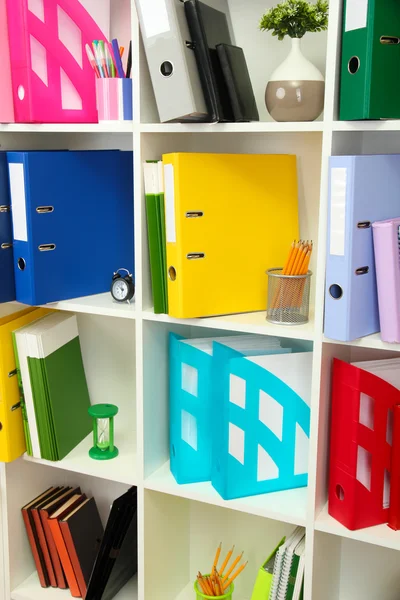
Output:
x=262 y=426
x=72 y=222
x=7 y=282
x=362 y=189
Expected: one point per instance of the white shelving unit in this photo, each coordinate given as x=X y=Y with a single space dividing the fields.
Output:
x=125 y=352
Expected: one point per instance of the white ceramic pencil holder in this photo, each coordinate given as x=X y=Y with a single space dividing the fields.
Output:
x=114 y=99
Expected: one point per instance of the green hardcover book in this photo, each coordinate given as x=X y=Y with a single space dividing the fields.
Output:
x=55 y=385
x=59 y=384
x=156 y=233
x=370 y=85
x=296 y=572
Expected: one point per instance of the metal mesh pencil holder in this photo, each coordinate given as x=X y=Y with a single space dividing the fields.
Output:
x=288 y=297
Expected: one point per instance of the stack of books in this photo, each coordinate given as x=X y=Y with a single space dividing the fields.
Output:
x=70 y=547
x=53 y=385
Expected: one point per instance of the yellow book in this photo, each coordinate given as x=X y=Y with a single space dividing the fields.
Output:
x=229 y=217
x=12 y=437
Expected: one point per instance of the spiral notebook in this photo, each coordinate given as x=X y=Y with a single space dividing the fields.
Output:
x=279 y=566
x=292 y=571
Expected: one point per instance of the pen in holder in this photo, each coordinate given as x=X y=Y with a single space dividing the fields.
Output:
x=288 y=297
x=114 y=99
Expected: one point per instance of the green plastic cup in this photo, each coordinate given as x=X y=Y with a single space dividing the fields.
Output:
x=201 y=596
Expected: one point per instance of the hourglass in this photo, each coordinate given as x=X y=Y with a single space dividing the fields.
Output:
x=103 y=431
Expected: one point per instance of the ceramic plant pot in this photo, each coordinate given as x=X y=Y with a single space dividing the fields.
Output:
x=295 y=91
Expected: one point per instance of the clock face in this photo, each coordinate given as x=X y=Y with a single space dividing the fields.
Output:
x=120 y=289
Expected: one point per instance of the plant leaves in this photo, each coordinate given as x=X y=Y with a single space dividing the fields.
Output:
x=295 y=18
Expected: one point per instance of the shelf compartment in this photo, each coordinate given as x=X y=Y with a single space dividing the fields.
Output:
x=108 y=353
x=24 y=481
x=381 y=535
x=370 y=341
x=389 y=125
x=289 y=506
x=123 y=127
x=30 y=589
x=122 y=469
x=256 y=127
x=350 y=570
x=99 y=304
x=196 y=530
x=242 y=323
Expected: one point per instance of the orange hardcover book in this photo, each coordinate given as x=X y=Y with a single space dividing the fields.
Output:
x=45 y=510
x=42 y=538
x=54 y=525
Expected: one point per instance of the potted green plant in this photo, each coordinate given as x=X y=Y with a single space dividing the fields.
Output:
x=295 y=91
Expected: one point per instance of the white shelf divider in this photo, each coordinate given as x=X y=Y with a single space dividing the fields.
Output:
x=99 y=304
x=243 y=323
x=288 y=506
x=31 y=589
x=122 y=469
x=381 y=535
x=254 y=127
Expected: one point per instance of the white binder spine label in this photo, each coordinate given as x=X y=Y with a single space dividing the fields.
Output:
x=338 y=211
x=18 y=201
x=154 y=17
x=169 y=185
x=356 y=14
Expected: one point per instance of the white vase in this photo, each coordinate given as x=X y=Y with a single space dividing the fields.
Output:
x=295 y=91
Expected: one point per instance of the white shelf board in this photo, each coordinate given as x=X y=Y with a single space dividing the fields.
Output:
x=122 y=469
x=256 y=127
x=390 y=125
x=370 y=341
x=289 y=506
x=381 y=535
x=100 y=304
x=105 y=127
x=245 y=323
x=31 y=589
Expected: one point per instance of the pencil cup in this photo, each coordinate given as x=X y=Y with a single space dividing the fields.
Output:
x=201 y=596
x=288 y=297
x=114 y=99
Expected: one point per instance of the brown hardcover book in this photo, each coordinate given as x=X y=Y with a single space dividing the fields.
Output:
x=41 y=537
x=33 y=538
x=53 y=522
x=45 y=509
x=82 y=531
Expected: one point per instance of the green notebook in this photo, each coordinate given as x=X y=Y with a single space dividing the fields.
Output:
x=296 y=577
x=154 y=192
x=54 y=378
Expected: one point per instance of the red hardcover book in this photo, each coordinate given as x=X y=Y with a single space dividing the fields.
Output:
x=364 y=468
